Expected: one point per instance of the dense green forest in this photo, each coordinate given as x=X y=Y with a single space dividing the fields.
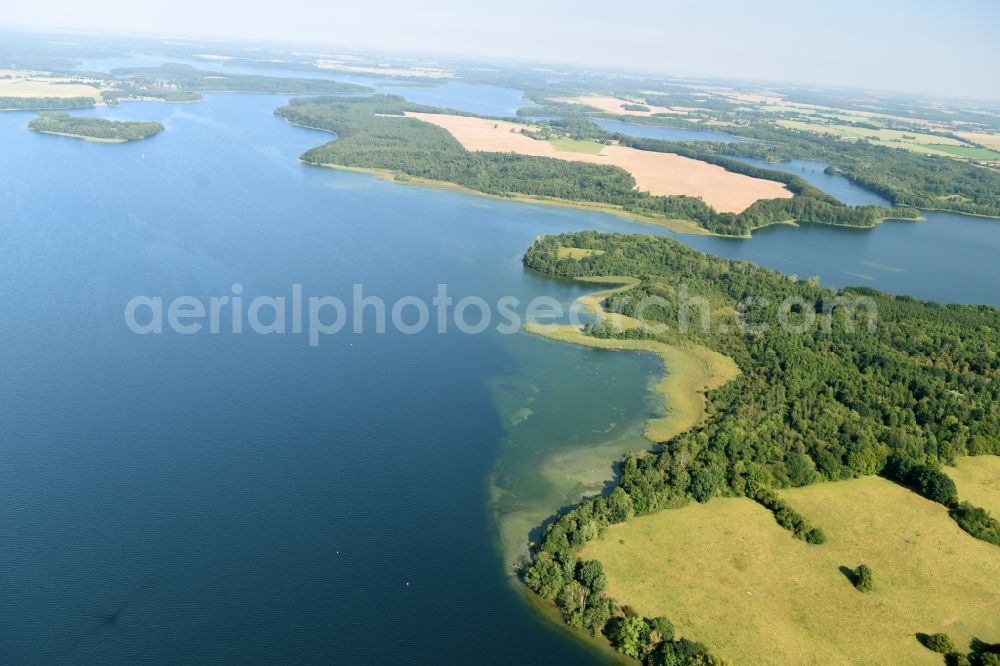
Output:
x=372 y=133
x=45 y=103
x=189 y=78
x=95 y=128
x=836 y=385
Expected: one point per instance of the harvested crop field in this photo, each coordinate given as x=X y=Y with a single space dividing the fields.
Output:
x=662 y=174
x=988 y=140
x=20 y=85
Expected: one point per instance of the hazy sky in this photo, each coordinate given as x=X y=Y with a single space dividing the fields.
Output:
x=948 y=48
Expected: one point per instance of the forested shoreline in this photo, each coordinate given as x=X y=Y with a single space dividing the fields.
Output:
x=372 y=133
x=834 y=400
x=908 y=179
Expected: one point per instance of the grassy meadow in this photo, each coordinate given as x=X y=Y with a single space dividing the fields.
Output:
x=909 y=140
x=978 y=481
x=968 y=152
x=577 y=252
x=726 y=574
x=566 y=145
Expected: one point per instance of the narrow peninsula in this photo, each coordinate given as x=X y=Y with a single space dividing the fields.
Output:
x=388 y=135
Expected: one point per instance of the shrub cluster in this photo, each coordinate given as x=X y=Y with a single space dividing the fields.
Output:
x=786 y=516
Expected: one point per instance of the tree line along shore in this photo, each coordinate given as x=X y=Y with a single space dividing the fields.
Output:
x=832 y=401
x=374 y=133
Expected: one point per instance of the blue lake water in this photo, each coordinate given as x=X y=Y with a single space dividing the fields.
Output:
x=814 y=173
x=250 y=499
x=475 y=98
x=245 y=498
x=665 y=133
x=948 y=257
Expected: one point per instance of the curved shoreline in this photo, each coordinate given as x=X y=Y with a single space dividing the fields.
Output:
x=688 y=372
x=676 y=226
x=689 y=369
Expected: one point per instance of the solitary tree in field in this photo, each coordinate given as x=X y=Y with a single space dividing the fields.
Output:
x=863 y=580
x=941 y=643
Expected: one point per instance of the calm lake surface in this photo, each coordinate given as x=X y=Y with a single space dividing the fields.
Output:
x=247 y=498
x=814 y=173
x=250 y=499
x=665 y=133
x=949 y=257
x=475 y=98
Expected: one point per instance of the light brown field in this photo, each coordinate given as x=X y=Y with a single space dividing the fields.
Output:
x=988 y=140
x=22 y=85
x=978 y=481
x=726 y=574
x=662 y=174
x=614 y=105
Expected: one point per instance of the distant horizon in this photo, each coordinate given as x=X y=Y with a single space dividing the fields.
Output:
x=455 y=58
x=872 y=48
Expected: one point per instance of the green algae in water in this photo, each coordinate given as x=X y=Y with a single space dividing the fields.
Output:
x=569 y=414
